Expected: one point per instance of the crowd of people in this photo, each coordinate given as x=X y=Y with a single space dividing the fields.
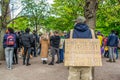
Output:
x=33 y=45
x=109 y=45
x=51 y=44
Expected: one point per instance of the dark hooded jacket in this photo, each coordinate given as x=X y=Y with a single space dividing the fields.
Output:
x=81 y=31
x=27 y=40
x=55 y=41
x=113 y=40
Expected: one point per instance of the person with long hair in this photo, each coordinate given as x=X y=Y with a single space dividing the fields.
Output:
x=44 y=41
x=9 y=43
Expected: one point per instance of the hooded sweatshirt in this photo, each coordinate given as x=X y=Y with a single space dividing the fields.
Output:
x=81 y=31
x=113 y=40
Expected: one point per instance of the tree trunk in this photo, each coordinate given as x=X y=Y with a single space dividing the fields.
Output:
x=90 y=15
x=5 y=16
x=2 y=32
x=90 y=12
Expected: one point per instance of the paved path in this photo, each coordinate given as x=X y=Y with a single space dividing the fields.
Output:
x=38 y=71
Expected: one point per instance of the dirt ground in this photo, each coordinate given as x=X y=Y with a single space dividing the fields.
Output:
x=109 y=71
x=38 y=71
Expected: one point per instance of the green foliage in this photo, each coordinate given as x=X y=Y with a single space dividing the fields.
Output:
x=5 y=17
x=36 y=11
x=108 y=17
x=63 y=13
x=21 y=23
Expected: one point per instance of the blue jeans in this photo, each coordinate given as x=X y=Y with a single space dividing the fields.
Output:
x=9 y=56
x=116 y=53
x=38 y=51
x=112 y=53
x=34 y=51
x=61 y=53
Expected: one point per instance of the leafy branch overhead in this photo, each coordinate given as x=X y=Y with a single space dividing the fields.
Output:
x=36 y=10
x=60 y=14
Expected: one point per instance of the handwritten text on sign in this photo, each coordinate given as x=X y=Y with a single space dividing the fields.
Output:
x=82 y=52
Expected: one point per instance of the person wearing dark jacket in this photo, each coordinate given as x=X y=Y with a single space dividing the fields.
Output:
x=27 y=42
x=35 y=40
x=15 y=56
x=81 y=30
x=9 y=43
x=112 y=43
x=54 y=43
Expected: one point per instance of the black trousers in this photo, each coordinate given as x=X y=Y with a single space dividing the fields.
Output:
x=27 y=52
x=106 y=54
x=15 y=56
x=55 y=51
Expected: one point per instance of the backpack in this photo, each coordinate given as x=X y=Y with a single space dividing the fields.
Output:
x=10 y=40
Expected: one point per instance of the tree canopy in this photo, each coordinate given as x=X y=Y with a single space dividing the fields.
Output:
x=60 y=15
x=108 y=17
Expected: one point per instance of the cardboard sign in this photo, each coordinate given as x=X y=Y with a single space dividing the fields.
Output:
x=82 y=52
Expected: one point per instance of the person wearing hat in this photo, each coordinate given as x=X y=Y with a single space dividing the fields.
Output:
x=81 y=30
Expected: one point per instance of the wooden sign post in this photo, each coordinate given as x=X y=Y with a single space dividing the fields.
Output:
x=82 y=52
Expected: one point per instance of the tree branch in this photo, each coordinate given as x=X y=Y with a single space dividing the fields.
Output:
x=13 y=10
x=6 y=9
x=14 y=19
x=16 y=16
x=119 y=1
